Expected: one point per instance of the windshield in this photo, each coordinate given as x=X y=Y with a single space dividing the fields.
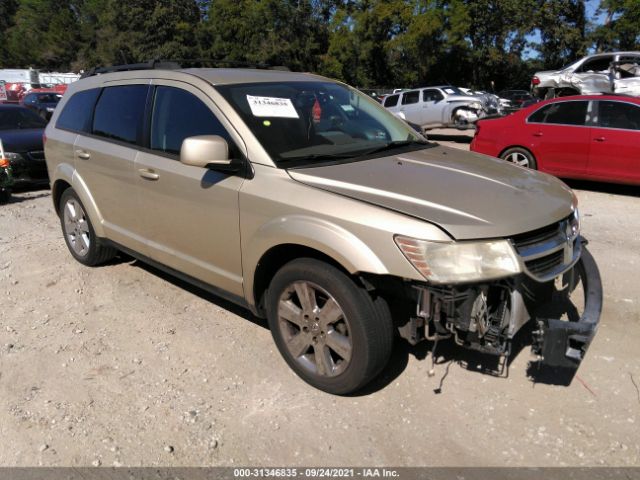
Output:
x=306 y=122
x=16 y=118
x=455 y=91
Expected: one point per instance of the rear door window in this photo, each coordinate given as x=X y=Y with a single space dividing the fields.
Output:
x=391 y=100
x=618 y=115
x=177 y=114
x=561 y=113
x=119 y=113
x=77 y=112
x=411 y=97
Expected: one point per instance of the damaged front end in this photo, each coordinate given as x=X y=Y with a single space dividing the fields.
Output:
x=558 y=294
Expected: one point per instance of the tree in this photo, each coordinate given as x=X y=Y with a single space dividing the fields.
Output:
x=278 y=32
x=116 y=32
x=44 y=34
x=8 y=10
x=621 y=29
x=563 y=31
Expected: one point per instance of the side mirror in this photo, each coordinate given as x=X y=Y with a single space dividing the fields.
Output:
x=205 y=151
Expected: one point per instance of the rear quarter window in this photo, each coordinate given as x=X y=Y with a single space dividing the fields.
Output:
x=78 y=110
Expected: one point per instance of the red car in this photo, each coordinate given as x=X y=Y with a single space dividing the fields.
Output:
x=594 y=137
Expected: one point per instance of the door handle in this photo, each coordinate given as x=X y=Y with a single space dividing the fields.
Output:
x=600 y=139
x=83 y=155
x=538 y=134
x=148 y=174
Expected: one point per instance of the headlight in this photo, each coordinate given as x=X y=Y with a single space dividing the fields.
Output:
x=475 y=105
x=573 y=228
x=13 y=157
x=459 y=262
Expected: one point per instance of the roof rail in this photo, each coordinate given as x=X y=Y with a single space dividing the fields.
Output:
x=181 y=63
x=151 y=65
x=222 y=63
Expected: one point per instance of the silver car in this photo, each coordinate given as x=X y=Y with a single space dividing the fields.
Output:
x=615 y=72
x=306 y=202
x=435 y=107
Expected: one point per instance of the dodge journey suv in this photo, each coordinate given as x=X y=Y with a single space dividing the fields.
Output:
x=308 y=203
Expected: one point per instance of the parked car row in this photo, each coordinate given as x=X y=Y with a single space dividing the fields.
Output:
x=440 y=106
x=450 y=106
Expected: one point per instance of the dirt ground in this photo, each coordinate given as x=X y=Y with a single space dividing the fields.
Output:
x=123 y=365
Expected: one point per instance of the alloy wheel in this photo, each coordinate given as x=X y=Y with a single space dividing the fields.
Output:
x=76 y=227
x=315 y=329
x=519 y=159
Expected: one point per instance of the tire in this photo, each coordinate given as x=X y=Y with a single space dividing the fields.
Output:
x=81 y=239
x=341 y=350
x=5 y=196
x=520 y=156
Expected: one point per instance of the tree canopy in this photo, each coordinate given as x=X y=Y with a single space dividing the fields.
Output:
x=368 y=43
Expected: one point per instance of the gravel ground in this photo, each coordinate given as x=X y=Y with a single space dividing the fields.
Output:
x=123 y=365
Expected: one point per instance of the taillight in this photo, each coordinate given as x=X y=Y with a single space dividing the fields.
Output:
x=535 y=81
x=4 y=163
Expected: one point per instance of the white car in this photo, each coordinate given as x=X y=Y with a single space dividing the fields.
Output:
x=615 y=72
x=434 y=107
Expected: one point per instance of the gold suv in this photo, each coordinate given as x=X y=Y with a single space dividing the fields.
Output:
x=308 y=203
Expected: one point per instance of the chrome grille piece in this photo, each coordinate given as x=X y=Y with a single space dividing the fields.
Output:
x=549 y=251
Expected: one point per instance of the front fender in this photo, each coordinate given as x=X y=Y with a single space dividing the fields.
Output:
x=69 y=174
x=321 y=235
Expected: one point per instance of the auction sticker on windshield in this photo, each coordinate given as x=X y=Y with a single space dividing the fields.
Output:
x=271 y=107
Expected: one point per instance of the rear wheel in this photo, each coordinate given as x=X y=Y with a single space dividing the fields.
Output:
x=520 y=156
x=78 y=232
x=330 y=331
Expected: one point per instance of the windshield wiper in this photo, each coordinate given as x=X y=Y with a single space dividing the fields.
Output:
x=393 y=145
x=316 y=156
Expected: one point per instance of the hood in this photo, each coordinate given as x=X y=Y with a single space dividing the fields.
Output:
x=471 y=196
x=464 y=98
x=24 y=140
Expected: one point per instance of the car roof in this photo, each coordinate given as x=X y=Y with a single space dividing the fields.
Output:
x=594 y=97
x=214 y=76
x=226 y=76
x=603 y=54
x=626 y=98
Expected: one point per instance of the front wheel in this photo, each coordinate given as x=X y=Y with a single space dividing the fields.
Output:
x=520 y=156
x=331 y=332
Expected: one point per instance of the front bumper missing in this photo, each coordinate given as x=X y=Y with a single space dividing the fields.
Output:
x=563 y=344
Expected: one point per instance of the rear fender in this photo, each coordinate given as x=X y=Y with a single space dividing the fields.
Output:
x=68 y=173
